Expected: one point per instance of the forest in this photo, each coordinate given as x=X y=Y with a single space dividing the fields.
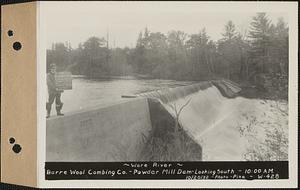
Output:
x=257 y=58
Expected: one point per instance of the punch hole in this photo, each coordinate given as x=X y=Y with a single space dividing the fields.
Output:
x=17 y=46
x=12 y=140
x=17 y=148
x=10 y=33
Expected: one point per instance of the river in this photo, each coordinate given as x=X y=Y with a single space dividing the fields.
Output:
x=90 y=93
x=235 y=129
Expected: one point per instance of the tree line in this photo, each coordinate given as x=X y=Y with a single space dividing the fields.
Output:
x=261 y=51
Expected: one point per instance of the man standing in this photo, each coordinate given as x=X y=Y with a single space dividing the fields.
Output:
x=53 y=92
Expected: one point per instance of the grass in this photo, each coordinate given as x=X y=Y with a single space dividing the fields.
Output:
x=274 y=144
x=173 y=145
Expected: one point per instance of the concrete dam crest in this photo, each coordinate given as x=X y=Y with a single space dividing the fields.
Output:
x=162 y=125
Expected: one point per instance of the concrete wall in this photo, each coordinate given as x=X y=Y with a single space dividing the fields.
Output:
x=111 y=133
x=121 y=132
x=163 y=124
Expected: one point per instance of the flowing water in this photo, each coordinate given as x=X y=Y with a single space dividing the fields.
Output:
x=89 y=93
x=229 y=129
x=226 y=128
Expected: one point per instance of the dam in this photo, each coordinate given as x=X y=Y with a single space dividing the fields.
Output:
x=192 y=122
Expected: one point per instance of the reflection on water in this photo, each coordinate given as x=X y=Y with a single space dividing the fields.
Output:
x=89 y=93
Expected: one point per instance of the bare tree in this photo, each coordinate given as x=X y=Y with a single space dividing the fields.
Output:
x=180 y=144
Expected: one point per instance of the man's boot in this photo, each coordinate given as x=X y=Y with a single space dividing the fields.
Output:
x=58 y=109
x=48 y=108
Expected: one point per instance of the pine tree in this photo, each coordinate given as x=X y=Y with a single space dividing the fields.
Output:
x=260 y=35
x=282 y=45
x=139 y=42
x=230 y=51
x=230 y=31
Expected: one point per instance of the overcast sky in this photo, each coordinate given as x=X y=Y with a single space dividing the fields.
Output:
x=77 y=21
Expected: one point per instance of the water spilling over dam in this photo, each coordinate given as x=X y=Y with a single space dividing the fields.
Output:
x=209 y=116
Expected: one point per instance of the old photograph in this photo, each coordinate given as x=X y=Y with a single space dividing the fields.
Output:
x=157 y=81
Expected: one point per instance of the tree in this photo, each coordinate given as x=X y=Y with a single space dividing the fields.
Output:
x=150 y=53
x=230 y=51
x=200 y=50
x=95 y=57
x=156 y=54
x=280 y=47
x=230 y=31
x=177 y=54
x=139 y=54
x=60 y=55
x=119 y=62
x=260 y=34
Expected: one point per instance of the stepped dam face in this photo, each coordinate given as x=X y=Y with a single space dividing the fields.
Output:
x=188 y=123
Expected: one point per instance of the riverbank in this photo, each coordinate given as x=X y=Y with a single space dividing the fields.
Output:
x=254 y=92
x=227 y=128
x=248 y=90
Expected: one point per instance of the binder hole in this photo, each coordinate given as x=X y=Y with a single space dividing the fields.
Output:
x=12 y=140
x=17 y=148
x=10 y=33
x=17 y=46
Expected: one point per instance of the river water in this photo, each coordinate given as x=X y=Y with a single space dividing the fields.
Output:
x=90 y=93
x=227 y=129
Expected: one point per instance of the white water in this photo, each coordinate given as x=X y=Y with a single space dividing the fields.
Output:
x=227 y=129
x=90 y=93
x=231 y=129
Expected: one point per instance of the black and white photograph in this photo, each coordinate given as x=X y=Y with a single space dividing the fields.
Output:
x=165 y=83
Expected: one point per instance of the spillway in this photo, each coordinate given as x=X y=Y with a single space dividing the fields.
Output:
x=228 y=127
x=141 y=127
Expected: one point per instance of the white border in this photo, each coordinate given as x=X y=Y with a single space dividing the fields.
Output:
x=290 y=7
x=41 y=92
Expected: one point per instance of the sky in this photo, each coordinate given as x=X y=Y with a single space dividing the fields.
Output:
x=75 y=22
